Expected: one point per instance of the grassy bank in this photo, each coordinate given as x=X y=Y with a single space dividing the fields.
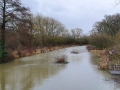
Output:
x=15 y=54
x=102 y=58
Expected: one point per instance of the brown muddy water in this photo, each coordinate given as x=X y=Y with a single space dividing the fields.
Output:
x=39 y=72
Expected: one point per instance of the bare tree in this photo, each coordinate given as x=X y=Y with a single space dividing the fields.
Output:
x=76 y=33
x=46 y=28
x=117 y=2
x=11 y=13
x=110 y=25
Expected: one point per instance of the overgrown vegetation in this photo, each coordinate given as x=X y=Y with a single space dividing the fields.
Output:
x=22 y=33
x=105 y=35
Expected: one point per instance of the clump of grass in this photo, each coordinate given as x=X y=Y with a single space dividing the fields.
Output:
x=74 y=51
x=61 y=59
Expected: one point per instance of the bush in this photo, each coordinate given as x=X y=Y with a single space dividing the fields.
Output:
x=101 y=41
x=61 y=59
x=74 y=51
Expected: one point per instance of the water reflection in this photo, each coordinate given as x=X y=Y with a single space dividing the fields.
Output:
x=39 y=72
x=24 y=73
x=23 y=78
x=108 y=78
x=2 y=78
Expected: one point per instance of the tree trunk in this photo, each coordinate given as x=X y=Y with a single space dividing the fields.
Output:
x=3 y=31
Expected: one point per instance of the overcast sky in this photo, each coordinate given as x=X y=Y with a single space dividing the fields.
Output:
x=74 y=13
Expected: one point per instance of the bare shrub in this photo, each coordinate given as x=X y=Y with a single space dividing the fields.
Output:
x=75 y=51
x=61 y=59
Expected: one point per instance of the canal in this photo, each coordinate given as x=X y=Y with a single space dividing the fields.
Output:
x=39 y=72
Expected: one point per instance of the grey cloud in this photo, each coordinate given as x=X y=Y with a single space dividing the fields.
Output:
x=32 y=4
x=74 y=13
x=53 y=7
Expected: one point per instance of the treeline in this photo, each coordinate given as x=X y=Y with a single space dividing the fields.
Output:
x=105 y=36
x=19 y=29
x=106 y=33
x=50 y=32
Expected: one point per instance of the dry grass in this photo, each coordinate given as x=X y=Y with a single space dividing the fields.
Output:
x=102 y=57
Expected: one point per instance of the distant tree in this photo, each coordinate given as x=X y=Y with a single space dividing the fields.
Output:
x=76 y=33
x=38 y=29
x=46 y=29
x=104 y=32
x=110 y=25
